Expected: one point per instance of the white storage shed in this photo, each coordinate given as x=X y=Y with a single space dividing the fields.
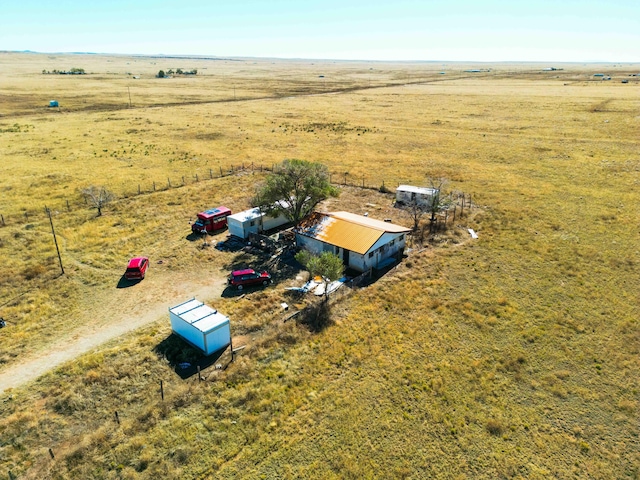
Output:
x=201 y=326
x=253 y=221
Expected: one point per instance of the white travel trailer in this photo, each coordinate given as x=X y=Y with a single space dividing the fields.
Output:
x=253 y=221
x=407 y=194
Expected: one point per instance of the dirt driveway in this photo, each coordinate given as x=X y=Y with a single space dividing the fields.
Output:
x=119 y=311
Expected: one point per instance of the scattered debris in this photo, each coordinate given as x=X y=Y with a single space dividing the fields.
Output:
x=472 y=233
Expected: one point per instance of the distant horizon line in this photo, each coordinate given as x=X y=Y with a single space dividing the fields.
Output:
x=234 y=57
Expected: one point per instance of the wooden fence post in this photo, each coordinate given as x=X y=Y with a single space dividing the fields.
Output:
x=161 y=390
x=51 y=453
x=117 y=418
x=2 y=218
x=199 y=377
x=169 y=182
x=138 y=189
x=183 y=180
x=210 y=173
x=197 y=179
x=68 y=207
x=221 y=171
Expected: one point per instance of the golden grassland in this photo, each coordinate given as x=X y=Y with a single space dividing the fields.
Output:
x=513 y=356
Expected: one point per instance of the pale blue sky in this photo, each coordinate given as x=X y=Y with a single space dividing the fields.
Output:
x=454 y=30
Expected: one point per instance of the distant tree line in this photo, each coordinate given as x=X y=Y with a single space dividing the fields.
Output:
x=177 y=71
x=73 y=71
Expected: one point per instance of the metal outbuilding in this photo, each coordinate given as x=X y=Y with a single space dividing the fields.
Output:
x=53 y=103
x=200 y=325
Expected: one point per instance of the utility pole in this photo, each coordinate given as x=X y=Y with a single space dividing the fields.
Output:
x=55 y=240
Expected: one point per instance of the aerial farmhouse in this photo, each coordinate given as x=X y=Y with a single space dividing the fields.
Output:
x=362 y=242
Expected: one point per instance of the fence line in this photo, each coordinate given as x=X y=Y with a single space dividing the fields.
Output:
x=67 y=205
x=463 y=201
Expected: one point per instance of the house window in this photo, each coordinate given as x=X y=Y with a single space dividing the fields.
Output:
x=401 y=237
x=370 y=254
x=392 y=242
x=253 y=222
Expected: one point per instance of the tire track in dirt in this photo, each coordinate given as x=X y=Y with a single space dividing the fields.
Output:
x=114 y=315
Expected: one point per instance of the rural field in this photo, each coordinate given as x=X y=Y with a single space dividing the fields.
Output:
x=513 y=355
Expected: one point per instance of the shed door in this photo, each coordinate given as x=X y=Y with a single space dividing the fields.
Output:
x=345 y=257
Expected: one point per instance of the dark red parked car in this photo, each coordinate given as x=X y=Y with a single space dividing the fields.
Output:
x=247 y=277
x=136 y=268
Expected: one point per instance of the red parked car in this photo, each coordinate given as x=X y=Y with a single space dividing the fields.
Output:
x=136 y=268
x=247 y=277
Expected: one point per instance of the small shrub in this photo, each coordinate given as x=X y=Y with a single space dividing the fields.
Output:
x=494 y=427
x=33 y=271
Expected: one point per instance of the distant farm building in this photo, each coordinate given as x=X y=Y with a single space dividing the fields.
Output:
x=53 y=103
x=408 y=194
x=598 y=74
x=362 y=242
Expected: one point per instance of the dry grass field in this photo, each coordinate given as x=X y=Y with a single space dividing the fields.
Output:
x=515 y=355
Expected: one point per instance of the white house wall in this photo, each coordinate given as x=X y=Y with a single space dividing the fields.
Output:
x=357 y=261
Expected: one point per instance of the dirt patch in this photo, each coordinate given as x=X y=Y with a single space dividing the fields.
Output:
x=117 y=312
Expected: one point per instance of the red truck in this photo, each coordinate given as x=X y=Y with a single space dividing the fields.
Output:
x=211 y=220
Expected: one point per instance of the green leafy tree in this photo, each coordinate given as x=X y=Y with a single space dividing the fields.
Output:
x=179 y=71
x=294 y=189
x=327 y=265
x=160 y=74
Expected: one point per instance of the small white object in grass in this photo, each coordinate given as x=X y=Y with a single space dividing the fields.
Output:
x=473 y=234
x=284 y=306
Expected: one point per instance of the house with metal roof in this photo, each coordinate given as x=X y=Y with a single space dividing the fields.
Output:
x=362 y=242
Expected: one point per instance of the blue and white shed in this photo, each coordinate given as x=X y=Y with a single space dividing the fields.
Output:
x=53 y=103
x=200 y=325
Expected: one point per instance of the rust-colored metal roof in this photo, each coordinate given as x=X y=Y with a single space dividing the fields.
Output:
x=347 y=230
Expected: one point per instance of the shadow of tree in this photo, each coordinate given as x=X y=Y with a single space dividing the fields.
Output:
x=316 y=317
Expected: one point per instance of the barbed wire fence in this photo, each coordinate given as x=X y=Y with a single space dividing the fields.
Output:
x=77 y=202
